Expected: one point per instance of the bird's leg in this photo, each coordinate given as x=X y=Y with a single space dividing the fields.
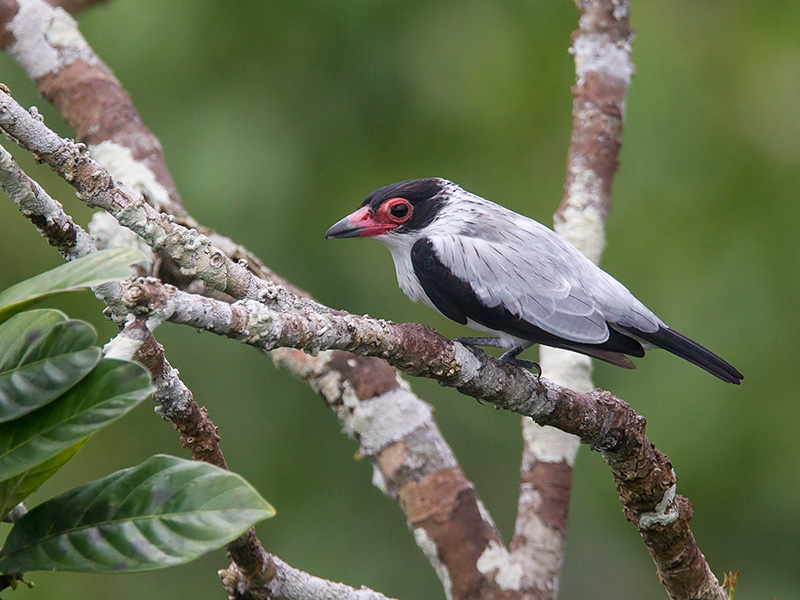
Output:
x=473 y=342
x=481 y=341
x=510 y=357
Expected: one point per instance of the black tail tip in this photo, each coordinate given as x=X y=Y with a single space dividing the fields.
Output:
x=730 y=375
x=680 y=345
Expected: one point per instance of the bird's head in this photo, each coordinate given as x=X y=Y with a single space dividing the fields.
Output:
x=398 y=208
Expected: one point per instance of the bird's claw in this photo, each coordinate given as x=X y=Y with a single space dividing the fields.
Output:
x=510 y=358
x=525 y=364
x=476 y=351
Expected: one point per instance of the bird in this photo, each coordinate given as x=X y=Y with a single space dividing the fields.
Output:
x=495 y=271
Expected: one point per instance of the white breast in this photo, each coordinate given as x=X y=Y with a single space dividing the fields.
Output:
x=400 y=247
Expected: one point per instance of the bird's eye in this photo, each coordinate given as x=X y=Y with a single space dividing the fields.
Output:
x=399 y=210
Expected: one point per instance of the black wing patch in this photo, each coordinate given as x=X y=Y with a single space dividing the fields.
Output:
x=456 y=300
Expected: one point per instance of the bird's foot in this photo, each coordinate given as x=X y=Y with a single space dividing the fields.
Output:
x=510 y=358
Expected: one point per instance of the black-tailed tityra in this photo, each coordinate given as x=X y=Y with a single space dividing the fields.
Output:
x=496 y=271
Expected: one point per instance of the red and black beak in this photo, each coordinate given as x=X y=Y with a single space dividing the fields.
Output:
x=361 y=223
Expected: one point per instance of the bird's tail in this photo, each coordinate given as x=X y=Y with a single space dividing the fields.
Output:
x=682 y=346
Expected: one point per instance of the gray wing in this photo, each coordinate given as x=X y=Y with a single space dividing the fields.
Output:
x=539 y=277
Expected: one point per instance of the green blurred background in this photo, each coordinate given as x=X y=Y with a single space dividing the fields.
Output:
x=277 y=118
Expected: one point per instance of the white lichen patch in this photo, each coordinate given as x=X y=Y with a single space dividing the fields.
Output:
x=470 y=364
x=121 y=348
x=378 y=480
x=581 y=222
x=431 y=552
x=620 y=9
x=597 y=53
x=534 y=566
x=135 y=175
x=63 y=31
x=382 y=420
x=665 y=512
x=497 y=562
x=108 y=233
x=484 y=512
x=311 y=369
x=46 y=39
x=541 y=561
x=350 y=399
x=549 y=444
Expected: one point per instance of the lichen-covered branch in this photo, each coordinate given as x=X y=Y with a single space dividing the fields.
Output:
x=412 y=464
x=46 y=214
x=601 y=47
x=643 y=475
x=176 y=401
x=96 y=187
x=47 y=44
x=288 y=583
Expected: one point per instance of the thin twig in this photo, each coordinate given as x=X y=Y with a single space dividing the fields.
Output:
x=46 y=214
x=289 y=583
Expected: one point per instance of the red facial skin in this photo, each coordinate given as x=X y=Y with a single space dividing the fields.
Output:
x=385 y=219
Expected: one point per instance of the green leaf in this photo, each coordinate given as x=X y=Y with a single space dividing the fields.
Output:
x=163 y=512
x=87 y=271
x=113 y=388
x=15 y=490
x=42 y=355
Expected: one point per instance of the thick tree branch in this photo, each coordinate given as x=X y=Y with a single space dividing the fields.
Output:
x=601 y=47
x=643 y=475
x=413 y=465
